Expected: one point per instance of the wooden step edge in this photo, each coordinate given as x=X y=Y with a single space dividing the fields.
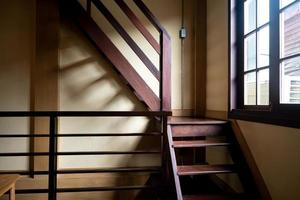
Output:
x=214 y=197
x=194 y=121
x=187 y=170
x=199 y=143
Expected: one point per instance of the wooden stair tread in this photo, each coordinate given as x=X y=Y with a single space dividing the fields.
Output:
x=213 y=197
x=193 y=121
x=199 y=143
x=186 y=170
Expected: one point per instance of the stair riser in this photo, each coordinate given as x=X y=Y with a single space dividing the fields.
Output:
x=198 y=130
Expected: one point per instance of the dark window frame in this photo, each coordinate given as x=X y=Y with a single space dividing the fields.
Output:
x=275 y=113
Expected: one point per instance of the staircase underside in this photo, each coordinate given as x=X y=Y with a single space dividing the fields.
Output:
x=188 y=138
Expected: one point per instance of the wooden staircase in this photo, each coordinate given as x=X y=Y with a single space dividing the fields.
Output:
x=191 y=134
x=183 y=134
x=162 y=102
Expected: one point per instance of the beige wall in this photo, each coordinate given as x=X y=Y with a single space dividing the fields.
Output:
x=216 y=93
x=274 y=148
x=16 y=57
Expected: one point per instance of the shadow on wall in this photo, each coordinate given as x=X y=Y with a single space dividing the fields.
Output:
x=87 y=78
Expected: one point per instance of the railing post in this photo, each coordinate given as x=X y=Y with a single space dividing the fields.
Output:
x=165 y=72
x=52 y=176
x=164 y=144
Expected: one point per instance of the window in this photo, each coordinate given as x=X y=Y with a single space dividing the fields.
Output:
x=265 y=60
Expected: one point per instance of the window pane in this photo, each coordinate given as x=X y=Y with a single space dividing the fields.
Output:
x=290 y=81
x=263 y=47
x=284 y=3
x=263 y=87
x=290 y=30
x=250 y=89
x=250 y=52
x=249 y=15
x=262 y=12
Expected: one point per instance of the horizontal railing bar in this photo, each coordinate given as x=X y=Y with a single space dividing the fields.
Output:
x=88 y=171
x=109 y=170
x=84 y=113
x=81 y=135
x=31 y=191
x=22 y=135
x=15 y=154
x=115 y=188
x=109 y=134
x=24 y=173
x=77 y=153
x=86 y=189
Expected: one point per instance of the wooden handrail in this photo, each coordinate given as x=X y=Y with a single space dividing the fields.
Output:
x=83 y=113
x=101 y=7
x=151 y=17
x=139 y=25
x=165 y=56
x=118 y=60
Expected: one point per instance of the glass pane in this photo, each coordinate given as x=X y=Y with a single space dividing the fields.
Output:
x=290 y=81
x=284 y=3
x=263 y=12
x=263 y=87
x=249 y=15
x=250 y=52
x=290 y=30
x=263 y=47
x=250 y=89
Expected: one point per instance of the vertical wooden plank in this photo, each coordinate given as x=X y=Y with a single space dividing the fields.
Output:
x=200 y=57
x=166 y=72
x=44 y=73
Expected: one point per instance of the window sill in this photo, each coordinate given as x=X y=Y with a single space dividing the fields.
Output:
x=267 y=117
